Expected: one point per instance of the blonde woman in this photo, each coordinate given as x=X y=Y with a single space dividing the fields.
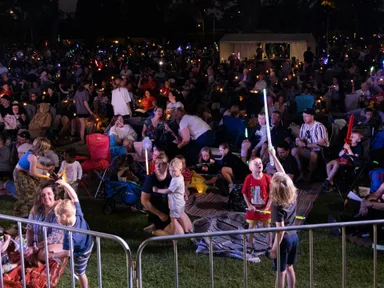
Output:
x=283 y=213
x=27 y=178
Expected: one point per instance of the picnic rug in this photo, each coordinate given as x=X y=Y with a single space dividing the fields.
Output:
x=215 y=217
x=204 y=205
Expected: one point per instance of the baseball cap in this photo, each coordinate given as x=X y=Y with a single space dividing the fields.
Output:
x=24 y=134
x=310 y=111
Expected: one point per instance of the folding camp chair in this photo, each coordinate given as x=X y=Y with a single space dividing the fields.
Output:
x=99 y=158
x=303 y=102
x=350 y=177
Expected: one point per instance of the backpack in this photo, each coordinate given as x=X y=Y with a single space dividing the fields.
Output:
x=236 y=200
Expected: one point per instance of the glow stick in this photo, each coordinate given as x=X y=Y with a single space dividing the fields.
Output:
x=146 y=161
x=246 y=133
x=269 y=212
x=268 y=126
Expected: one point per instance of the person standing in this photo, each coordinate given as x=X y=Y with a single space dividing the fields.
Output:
x=283 y=195
x=121 y=101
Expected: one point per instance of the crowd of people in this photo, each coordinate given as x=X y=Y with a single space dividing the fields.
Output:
x=185 y=102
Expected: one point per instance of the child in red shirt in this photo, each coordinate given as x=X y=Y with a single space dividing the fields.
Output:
x=256 y=195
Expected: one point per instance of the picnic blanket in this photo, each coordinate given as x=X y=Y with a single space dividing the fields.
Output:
x=230 y=246
x=35 y=276
x=204 y=205
x=213 y=208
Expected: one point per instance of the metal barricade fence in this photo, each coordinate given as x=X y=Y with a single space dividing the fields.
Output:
x=70 y=230
x=310 y=228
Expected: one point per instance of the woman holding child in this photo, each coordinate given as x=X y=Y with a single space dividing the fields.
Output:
x=44 y=211
x=157 y=203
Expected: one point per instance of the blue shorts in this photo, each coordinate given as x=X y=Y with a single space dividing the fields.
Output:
x=81 y=261
x=289 y=248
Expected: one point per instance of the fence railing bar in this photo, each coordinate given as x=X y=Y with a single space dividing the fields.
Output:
x=344 y=258
x=311 y=276
x=99 y=272
x=245 y=261
x=176 y=264
x=374 y=256
x=211 y=262
x=46 y=256
x=262 y=230
x=72 y=262
x=278 y=261
x=21 y=250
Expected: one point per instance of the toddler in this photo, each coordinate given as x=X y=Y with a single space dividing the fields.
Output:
x=175 y=193
x=3 y=248
x=68 y=213
x=70 y=169
x=256 y=195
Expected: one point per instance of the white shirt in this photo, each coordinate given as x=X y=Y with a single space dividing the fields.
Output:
x=172 y=106
x=195 y=125
x=71 y=171
x=176 y=197
x=120 y=101
x=127 y=73
x=124 y=132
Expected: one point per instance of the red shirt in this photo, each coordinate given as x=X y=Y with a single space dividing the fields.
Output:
x=257 y=192
x=148 y=102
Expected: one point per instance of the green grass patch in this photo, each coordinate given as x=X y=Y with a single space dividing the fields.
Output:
x=158 y=259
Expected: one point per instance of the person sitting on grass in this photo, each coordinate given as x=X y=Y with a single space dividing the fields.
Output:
x=256 y=195
x=233 y=168
x=68 y=213
x=283 y=194
x=346 y=157
x=175 y=193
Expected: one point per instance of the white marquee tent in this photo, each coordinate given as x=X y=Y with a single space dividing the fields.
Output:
x=246 y=44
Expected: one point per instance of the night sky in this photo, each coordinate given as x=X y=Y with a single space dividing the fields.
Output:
x=68 y=5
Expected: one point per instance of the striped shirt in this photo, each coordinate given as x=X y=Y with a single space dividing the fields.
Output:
x=314 y=134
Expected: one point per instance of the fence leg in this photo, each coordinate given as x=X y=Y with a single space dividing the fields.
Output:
x=176 y=264
x=245 y=260
x=1 y=272
x=71 y=259
x=374 y=256
x=99 y=275
x=344 y=258
x=311 y=284
x=22 y=253
x=46 y=257
x=278 y=262
x=211 y=262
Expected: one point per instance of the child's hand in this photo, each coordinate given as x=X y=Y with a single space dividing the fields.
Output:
x=272 y=151
x=155 y=189
x=346 y=146
x=61 y=183
x=212 y=161
x=251 y=208
x=51 y=169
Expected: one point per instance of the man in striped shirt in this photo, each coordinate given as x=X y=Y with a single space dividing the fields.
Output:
x=312 y=134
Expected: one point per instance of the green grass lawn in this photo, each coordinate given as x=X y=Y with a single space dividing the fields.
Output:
x=158 y=264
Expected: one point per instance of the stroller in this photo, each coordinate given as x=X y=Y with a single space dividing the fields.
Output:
x=127 y=193
x=119 y=189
